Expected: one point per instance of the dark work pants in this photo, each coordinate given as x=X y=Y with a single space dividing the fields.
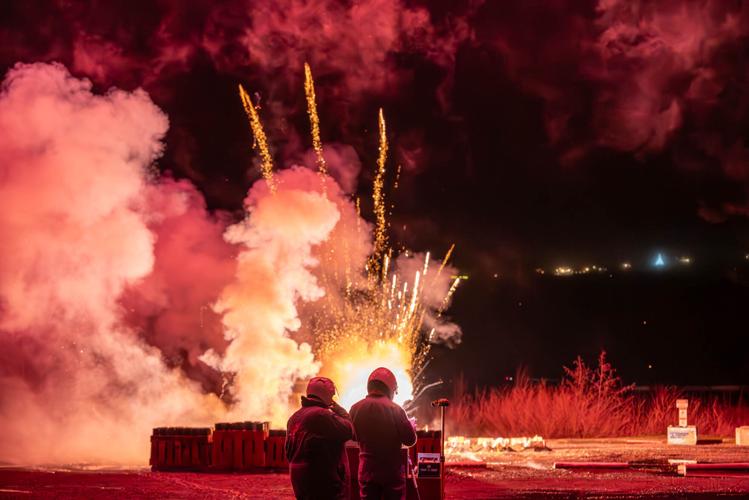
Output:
x=372 y=490
x=308 y=485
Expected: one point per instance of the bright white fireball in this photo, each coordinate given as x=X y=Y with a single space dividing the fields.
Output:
x=350 y=369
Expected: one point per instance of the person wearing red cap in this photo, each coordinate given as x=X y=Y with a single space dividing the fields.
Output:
x=381 y=428
x=316 y=436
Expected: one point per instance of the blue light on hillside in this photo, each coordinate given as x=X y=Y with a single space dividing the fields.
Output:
x=659 y=261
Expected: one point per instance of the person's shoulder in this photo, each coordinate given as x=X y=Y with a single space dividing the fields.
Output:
x=358 y=404
x=395 y=406
x=317 y=415
x=296 y=416
x=306 y=412
x=319 y=410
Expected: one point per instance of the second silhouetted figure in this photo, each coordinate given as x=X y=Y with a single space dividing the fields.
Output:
x=381 y=428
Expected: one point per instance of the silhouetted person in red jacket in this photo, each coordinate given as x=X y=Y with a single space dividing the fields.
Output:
x=381 y=428
x=316 y=436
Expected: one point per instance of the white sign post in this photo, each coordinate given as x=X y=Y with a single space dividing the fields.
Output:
x=682 y=433
x=742 y=435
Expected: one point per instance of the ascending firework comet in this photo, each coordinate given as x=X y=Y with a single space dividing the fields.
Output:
x=378 y=198
x=258 y=133
x=314 y=120
x=373 y=316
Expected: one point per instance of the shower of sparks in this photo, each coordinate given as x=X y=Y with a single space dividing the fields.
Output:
x=260 y=140
x=314 y=120
x=380 y=324
x=378 y=196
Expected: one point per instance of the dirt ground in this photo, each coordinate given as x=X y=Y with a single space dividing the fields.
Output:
x=526 y=474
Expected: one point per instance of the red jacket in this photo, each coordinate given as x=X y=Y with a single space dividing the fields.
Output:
x=315 y=447
x=381 y=427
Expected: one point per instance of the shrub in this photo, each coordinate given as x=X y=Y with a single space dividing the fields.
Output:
x=589 y=402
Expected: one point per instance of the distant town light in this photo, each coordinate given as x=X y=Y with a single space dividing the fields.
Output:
x=659 y=261
x=685 y=260
x=563 y=271
x=540 y=271
x=626 y=265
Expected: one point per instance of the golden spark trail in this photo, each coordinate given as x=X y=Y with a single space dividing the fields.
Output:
x=446 y=259
x=358 y=216
x=378 y=197
x=266 y=160
x=449 y=295
x=314 y=120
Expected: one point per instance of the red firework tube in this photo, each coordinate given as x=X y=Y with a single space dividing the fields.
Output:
x=177 y=442
x=206 y=448
x=169 y=441
x=275 y=455
x=732 y=466
x=154 y=459
x=591 y=465
x=221 y=447
x=158 y=449
x=242 y=458
x=228 y=451
x=261 y=433
x=195 y=442
x=719 y=474
x=253 y=443
x=200 y=447
x=162 y=451
x=237 y=438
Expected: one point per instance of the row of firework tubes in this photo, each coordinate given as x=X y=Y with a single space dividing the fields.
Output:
x=238 y=446
x=227 y=446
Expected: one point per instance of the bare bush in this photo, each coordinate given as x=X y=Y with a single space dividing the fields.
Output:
x=589 y=402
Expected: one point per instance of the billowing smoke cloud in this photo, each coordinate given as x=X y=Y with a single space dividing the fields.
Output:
x=661 y=60
x=126 y=304
x=172 y=307
x=73 y=179
x=351 y=42
x=639 y=77
x=671 y=67
x=115 y=285
x=343 y=164
x=273 y=273
x=111 y=282
x=358 y=51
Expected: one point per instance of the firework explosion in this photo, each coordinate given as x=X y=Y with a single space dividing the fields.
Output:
x=372 y=314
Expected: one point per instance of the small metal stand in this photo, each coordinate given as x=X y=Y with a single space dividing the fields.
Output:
x=442 y=404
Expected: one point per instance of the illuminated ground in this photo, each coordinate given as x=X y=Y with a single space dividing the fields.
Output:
x=508 y=475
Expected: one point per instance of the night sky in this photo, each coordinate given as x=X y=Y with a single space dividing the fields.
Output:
x=532 y=134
